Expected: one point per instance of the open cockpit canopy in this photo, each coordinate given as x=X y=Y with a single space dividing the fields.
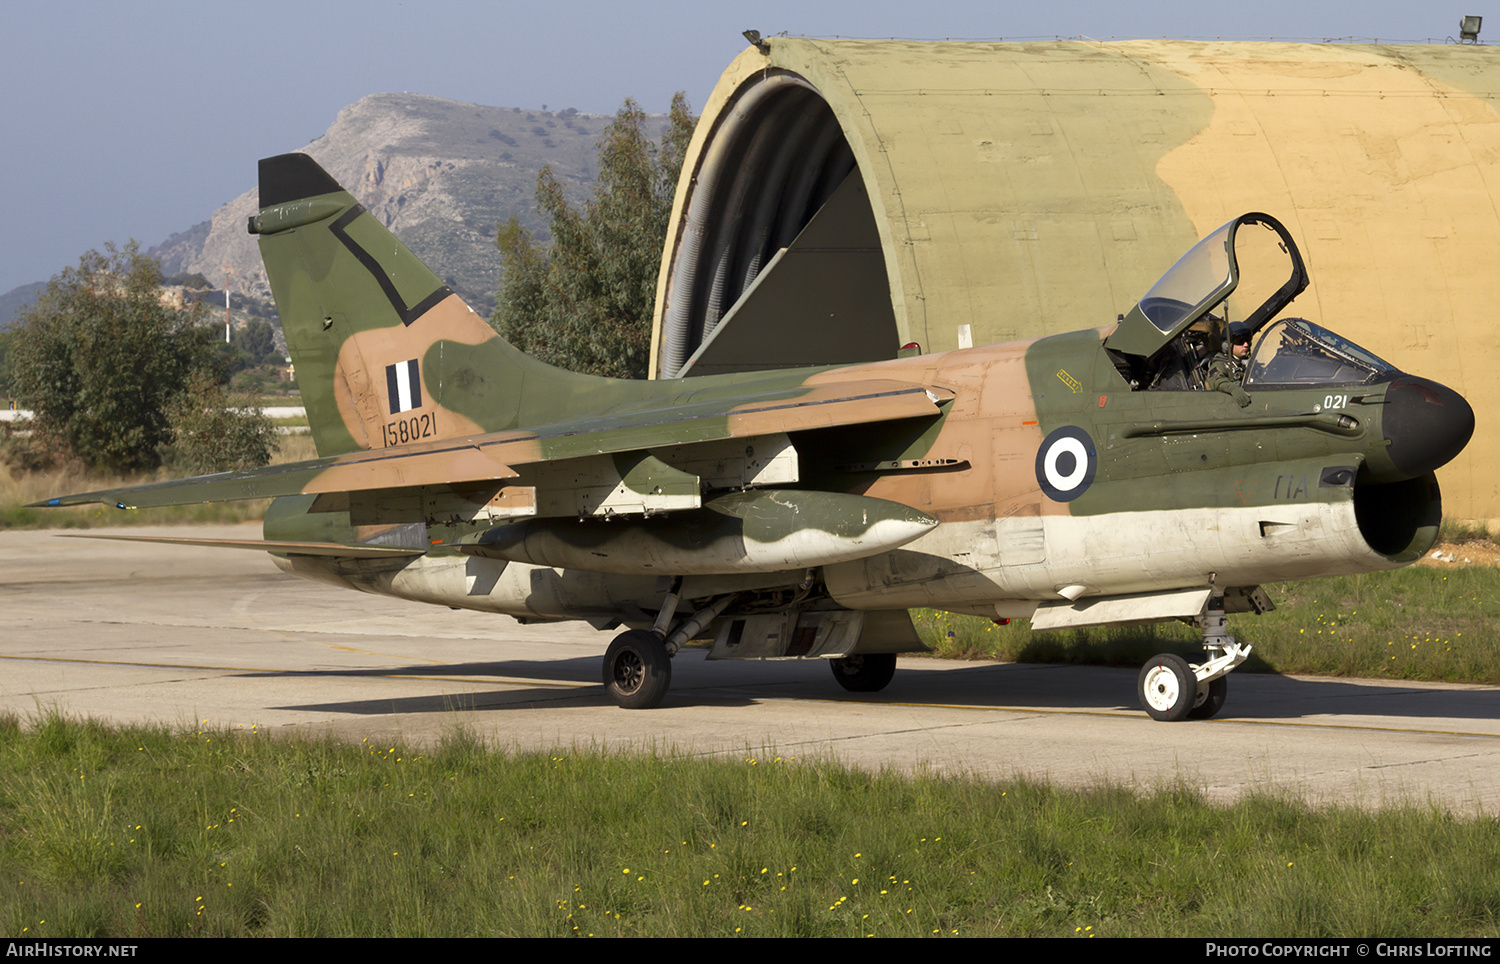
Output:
x=1248 y=271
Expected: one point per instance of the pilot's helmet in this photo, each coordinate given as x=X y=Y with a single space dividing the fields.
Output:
x=1239 y=332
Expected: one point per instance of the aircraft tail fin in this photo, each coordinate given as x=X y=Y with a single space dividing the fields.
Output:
x=384 y=351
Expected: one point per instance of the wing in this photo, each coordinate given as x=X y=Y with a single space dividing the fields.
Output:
x=492 y=458
x=331 y=549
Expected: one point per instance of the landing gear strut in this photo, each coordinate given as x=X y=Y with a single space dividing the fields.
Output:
x=1171 y=689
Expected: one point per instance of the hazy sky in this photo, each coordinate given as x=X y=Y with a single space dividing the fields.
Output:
x=137 y=119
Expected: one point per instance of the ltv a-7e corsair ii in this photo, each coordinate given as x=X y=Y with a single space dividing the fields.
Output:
x=1153 y=470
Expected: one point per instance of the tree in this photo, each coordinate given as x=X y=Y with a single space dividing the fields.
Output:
x=6 y=338
x=585 y=303
x=213 y=433
x=257 y=339
x=101 y=358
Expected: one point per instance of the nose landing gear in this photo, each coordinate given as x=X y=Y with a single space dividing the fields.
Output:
x=1171 y=689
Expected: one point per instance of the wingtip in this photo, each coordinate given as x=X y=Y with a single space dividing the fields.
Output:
x=70 y=500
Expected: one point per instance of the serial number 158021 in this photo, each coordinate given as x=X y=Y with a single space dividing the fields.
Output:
x=411 y=429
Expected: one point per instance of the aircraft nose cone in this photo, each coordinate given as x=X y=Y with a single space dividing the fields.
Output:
x=1426 y=424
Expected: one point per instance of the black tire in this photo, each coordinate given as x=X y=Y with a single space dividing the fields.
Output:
x=1167 y=688
x=1213 y=701
x=864 y=673
x=637 y=670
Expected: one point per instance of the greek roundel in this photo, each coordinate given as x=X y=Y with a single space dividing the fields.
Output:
x=1065 y=464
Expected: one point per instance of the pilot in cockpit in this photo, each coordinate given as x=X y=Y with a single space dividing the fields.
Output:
x=1227 y=371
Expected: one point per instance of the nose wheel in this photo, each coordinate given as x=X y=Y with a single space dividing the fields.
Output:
x=1167 y=688
x=1210 y=699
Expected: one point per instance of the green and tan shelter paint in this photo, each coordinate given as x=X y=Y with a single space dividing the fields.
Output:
x=843 y=198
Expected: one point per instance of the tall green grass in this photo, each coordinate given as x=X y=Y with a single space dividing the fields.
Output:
x=1465 y=530
x=181 y=832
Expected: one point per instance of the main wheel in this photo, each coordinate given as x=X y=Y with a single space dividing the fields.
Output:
x=1167 y=688
x=637 y=670
x=864 y=673
x=1211 y=702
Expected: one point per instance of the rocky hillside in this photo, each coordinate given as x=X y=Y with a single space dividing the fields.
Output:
x=440 y=173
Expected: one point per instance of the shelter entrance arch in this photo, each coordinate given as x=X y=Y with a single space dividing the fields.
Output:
x=779 y=261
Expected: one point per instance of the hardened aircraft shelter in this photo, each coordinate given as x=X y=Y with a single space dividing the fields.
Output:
x=841 y=199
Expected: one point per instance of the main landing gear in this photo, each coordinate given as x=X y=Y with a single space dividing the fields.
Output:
x=638 y=664
x=637 y=670
x=864 y=673
x=1171 y=689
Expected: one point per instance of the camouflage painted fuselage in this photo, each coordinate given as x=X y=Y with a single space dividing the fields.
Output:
x=1231 y=499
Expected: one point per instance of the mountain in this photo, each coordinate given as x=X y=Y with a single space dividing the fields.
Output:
x=17 y=300
x=441 y=174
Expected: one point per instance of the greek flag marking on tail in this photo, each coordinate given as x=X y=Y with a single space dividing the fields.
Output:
x=403 y=383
